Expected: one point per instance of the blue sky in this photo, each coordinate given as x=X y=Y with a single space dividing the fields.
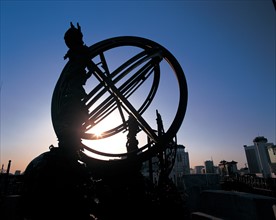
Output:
x=226 y=49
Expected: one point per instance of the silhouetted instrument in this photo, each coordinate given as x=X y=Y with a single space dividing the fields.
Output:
x=127 y=69
x=120 y=84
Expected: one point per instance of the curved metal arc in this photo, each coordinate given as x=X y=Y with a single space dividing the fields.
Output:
x=135 y=41
x=138 y=59
x=125 y=103
x=111 y=106
x=182 y=83
x=183 y=92
x=130 y=86
x=103 y=153
x=139 y=56
x=112 y=155
x=117 y=71
x=104 y=108
x=153 y=90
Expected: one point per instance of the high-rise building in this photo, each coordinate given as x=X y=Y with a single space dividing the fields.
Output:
x=181 y=165
x=227 y=168
x=257 y=156
x=209 y=166
x=252 y=161
x=199 y=169
x=272 y=156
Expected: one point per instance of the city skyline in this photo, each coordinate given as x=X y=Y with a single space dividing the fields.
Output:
x=226 y=50
x=17 y=171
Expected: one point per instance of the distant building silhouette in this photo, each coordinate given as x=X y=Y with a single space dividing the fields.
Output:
x=209 y=166
x=181 y=165
x=252 y=161
x=17 y=172
x=259 y=156
x=227 y=168
x=272 y=156
x=199 y=169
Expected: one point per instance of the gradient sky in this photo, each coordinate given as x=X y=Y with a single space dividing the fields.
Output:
x=226 y=49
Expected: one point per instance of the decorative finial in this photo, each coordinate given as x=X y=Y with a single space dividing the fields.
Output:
x=73 y=37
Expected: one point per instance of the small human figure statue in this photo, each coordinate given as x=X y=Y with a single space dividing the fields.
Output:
x=133 y=129
x=74 y=110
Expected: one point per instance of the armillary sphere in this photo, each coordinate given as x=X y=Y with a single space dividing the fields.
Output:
x=127 y=74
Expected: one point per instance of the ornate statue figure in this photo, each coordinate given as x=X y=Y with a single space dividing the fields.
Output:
x=73 y=109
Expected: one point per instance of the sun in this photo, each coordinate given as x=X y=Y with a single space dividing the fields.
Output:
x=97 y=132
x=113 y=144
